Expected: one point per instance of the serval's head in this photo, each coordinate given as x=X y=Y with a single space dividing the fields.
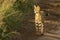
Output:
x=36 y=9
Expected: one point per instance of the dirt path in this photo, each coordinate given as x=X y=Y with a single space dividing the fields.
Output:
x=51 y=30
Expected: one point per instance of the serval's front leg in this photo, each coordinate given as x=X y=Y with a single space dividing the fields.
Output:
x=42 y=28
x=39 y=28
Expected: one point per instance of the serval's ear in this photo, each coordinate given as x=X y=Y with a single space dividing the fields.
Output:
x=35 y=7
x=38 y=7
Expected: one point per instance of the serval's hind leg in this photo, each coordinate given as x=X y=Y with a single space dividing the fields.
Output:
x=42 y=29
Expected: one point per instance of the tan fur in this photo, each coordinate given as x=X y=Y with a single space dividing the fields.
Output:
x=38 y=19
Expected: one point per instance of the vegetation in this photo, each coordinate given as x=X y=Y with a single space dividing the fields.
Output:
x=13 y=13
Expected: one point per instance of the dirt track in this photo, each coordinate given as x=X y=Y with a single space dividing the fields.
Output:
x=51 y=30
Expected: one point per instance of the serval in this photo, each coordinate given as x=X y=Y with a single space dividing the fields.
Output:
x=38 y=20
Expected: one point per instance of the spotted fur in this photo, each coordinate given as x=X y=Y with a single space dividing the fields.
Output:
x=38 y=20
